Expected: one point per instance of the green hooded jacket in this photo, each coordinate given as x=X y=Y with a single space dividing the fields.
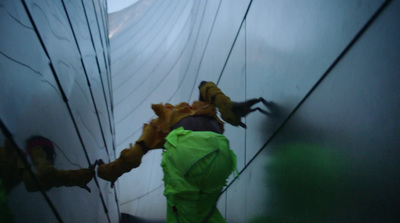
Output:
x=196 y=165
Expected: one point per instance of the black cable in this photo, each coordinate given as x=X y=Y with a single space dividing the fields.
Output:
x=191 y=55
x=21 y=155
x=138 y=27
x=117 y=202
x=100 y=33
x=65 y=155
x=21 y=63
x=97 y=60
x=245 y=88
x=234 y=41
x=205 y=48
x=143 y=195
x=165 y=76
x=92 y=96
x=63 y=95
x=325 y=74
x=64 y=98
x=126 y=80
x=149 y=27
x=105 y=63
x=16 y=19
x=87 y=77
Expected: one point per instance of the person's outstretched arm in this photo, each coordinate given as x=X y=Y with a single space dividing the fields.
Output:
x=231 y=112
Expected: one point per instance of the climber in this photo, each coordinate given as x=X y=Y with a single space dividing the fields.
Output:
x=197 y=159
x=13 y=169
